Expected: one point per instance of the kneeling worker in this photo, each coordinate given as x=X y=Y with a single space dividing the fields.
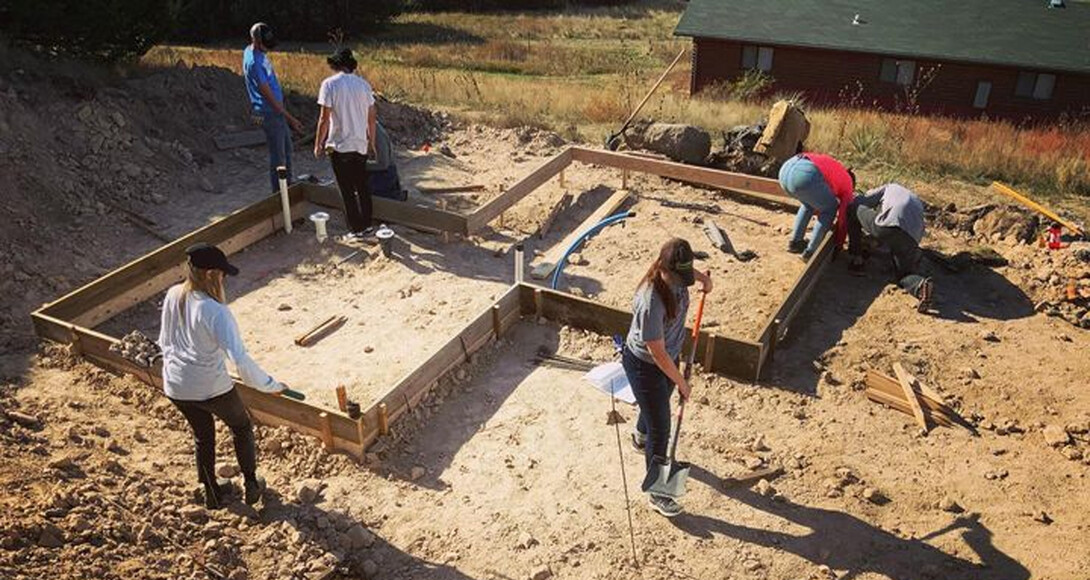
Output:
x=893 y=215
x=382 y=178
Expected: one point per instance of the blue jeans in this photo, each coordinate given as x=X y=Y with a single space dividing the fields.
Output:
x=652 y=390
x=802 y=180
x=278 y=138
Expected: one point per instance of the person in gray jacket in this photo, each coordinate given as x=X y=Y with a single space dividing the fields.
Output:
x=893 y=215
x=198 y=334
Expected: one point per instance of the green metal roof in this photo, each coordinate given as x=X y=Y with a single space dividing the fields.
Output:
x=1021 y=33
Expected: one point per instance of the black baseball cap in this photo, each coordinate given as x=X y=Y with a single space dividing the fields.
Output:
x=681 y=263
x=208 y=257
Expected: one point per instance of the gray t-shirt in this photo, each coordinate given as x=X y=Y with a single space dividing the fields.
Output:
x=649 y=322
x=900 y=208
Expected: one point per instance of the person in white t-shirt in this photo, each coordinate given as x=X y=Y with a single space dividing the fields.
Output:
x=198 y=335
x=346 y=131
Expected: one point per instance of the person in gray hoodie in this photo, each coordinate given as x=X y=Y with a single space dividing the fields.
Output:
x=893 y=215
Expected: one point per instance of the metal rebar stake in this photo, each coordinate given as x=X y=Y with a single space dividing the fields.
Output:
x=520 y=264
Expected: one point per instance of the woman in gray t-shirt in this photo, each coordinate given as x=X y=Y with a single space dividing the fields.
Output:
x=651 y=352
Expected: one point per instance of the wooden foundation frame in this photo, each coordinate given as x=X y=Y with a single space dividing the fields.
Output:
x=71 y=318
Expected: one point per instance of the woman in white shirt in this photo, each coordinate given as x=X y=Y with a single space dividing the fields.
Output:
x=197 y=335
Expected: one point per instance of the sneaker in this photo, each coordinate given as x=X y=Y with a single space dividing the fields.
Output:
x=255 y=488
x=639 y=441
x=926 y=293
x=806 y=255
x=796 y=246
x=664 y=505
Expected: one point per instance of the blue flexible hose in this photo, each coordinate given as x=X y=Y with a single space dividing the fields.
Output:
x=616 y=218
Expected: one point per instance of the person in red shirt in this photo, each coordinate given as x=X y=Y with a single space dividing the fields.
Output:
x=824 y=187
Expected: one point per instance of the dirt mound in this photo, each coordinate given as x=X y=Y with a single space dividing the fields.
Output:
x=84 y=152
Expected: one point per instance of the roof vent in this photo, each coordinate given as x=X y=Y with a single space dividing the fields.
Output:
x=857 y=20
x=1056 y=4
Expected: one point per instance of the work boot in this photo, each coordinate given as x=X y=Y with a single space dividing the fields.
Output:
x=664 y=505
x=255 y=488
x=806 y=255
x=216 y=495
x=796 y=246
x=639 y=441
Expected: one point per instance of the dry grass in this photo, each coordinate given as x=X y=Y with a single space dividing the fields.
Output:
x=581 y=72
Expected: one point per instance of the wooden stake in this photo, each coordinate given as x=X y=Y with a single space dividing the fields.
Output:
x=443 y=207
x=539 y=302
x=497 y=322
x=332 y=323
x=342 y=398
x=561 y=179
x=383 y=419
x=624 y=179
x=709 y=354
x=327 y=430
x=907 y=381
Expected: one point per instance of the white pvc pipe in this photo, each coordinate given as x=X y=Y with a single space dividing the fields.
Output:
x=320 y=218
x=282 y=175
x=520 y=273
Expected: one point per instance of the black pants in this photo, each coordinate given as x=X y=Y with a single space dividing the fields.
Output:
x=229 y=408
x=652 y=390
x=906 y=252
x=351 y=172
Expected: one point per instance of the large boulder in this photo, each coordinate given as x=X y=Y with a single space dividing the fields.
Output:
x=684 y=143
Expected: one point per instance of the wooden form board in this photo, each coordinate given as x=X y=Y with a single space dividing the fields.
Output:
x=491 y=210
x=417 y=383
x=398 y=212
x=759 y=188
x=148 y=275
x=265 y=408
x=733 y=357
x=780 y=321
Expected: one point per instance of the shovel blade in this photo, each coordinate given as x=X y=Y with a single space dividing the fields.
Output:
x=672 y=479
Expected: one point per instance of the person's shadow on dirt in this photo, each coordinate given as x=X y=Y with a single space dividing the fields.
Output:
x=332 y=532
x=845 y=542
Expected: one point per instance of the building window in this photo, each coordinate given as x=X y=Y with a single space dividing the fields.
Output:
x=902 y=72
x=983 y=90
x=1035 y=85
x=757 y=58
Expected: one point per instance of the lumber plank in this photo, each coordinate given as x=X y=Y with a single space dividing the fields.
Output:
x=516 y=192
x=388 y=210
x=896 y=402
x=889 y=385
x=451 y=189
x=906 y=380
x=780 y=320
x=759 y=188
x=250 y=221
x=548 y=263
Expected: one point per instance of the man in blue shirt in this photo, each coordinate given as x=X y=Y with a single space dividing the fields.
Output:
x=267 y=100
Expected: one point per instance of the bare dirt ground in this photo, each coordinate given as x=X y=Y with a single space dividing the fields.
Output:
x=509 y=471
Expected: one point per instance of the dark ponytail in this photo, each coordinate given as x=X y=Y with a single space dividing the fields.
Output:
x=656 y=276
